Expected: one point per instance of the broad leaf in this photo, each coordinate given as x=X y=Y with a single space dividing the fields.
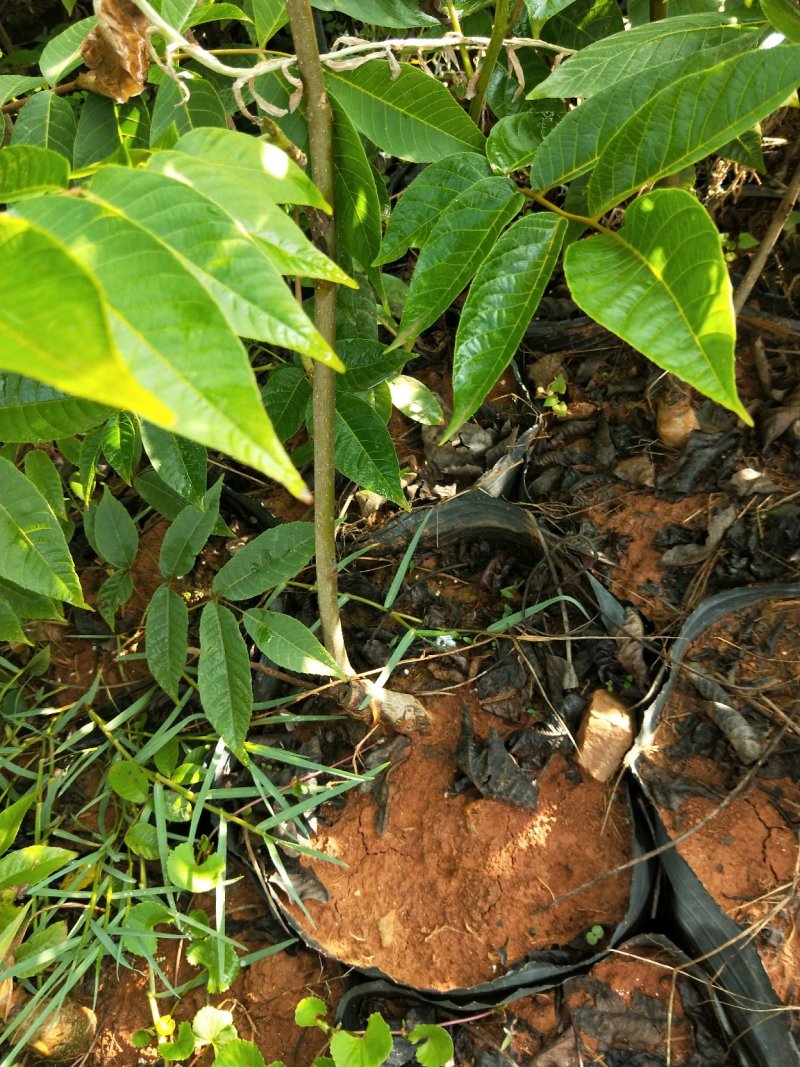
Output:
x=415 y=400
x=115 y=591
x=31 y=865
x=513 y=142
x=188 y=534
x=167 y=638
x=289 y=643
x=247 y=196
x=268 y=16
x=612 y=59
x=121 y=445
x=11 y=819
x=230 y=265
x=98 y=134
x=62 y=53
x=140 y=924
x=222 y=966
x=420 y=206
x=41 y=472
x=350 y=1050
x=33 y=551
x=437 y=1046
x=661 y=284
x=701 y=113
x=412 y=115
x=163 y=499
x=583 y=22
x=501 y=303
x=356 y=203
x=14 y=85
x=223 y=677
x=249 y=157
x=273 y=557
x=142 y=840
x=239 y=1053
x=28 y=605
x=575 y=145
x=177 y=12
x=129 y=781
x=115 y=532
x=186 y=873
x=182 y=464
x=11 y=624
x=368 y=363
x=784 y=16
x=182 y=347
x=539 y=11
x=285 y=395
x=364 y=450
x=453 y=251
x=48 y=121
x=173 y=116
x=397 y=14
x=27 y=170
x=54 y=324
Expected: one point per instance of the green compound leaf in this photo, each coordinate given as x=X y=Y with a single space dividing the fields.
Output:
x=48 y=121
x=182 y=346
x=364 y=450
x=690 y=119
x=661 y=284
x=368 y=363
x=41 y=472
x=167 y=638
x=54 y=323
x=188 y=534
x=453 y=251
x=129 y=781
x=356 y=203
x=180 y=463
x=273 y=557
x=26 y=170
x=223 y=677
x=608 y=61
x=33 y=551
x=63 y=53
x=500 y=304
x=437 y=1046
x=420 y=206
x=115 y=591
x=349 y=1050
x=115 y=531
x=121 y=445
x=409 y=114
x=172 y=115
x=289 y=643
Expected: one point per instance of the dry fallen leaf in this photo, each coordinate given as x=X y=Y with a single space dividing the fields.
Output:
x=116 y=51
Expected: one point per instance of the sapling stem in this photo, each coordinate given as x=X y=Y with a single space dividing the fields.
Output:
x=320 y=143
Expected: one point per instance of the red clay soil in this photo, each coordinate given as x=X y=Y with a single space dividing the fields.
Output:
x=450 y=893
x=747 y=856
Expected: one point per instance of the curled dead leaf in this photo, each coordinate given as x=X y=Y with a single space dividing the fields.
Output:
x=116 y=51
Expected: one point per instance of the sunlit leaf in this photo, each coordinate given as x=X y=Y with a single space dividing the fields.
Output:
x=273 y=557
x=28 y=170
x=129 y=781
x=289 y=643
x=48 y=121
x=223 y=677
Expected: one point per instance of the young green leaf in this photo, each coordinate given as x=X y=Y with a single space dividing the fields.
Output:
x=41 y=472
x=115 y=591
x=89 y=455
x=223 y=677
x=121 y=445
x=286 y=394
x=43 y=944
x=62 y=53
x=48 y=121
x=268 y=16
x=407 y=114
x=239 y=1053
x=364 y=450
x=27 y=170
x=701 y=113
x=350 y=1050
x=356 y=202
x=11 y=922
x=415 y=400
x=213 y=1026
x=182 y=346
x=289 y=643
x=188 y=534
x=310 y=1011
x=661 y=283
x=32 y=411
x=66 y=340
x=35 y=553
x=273 y=557
x=186 y=873
x=222 y=967
x=167 y=638
x=501 y=303
x=181 y=463
x=11 y=624
x=513 y=142
x=141 y=921
x=437 y=1046
x=420 y=206
x=142 y=840
x=129 y=781
x=459 y=242
x=368 y=363
x=11 y=819
x=31 y=865
x=115 y=531
x=179 y=1049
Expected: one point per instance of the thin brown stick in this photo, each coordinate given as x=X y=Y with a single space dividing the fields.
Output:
x=767 y=242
